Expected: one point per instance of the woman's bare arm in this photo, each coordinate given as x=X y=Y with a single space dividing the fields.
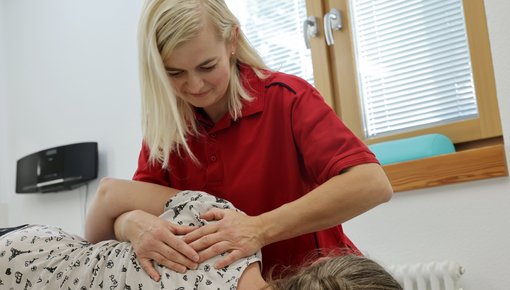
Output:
x=115 y=197
x=128 y=211
x=339 y=199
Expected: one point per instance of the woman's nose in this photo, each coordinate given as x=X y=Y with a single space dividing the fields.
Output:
x=194 y=83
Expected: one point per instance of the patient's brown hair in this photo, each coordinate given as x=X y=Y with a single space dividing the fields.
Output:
x=347 y=272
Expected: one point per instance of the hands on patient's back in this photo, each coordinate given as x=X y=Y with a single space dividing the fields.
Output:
x=163 y=242
x=159 y=243
x=233 y=232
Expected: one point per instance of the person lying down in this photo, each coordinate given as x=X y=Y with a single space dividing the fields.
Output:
x=46 y=257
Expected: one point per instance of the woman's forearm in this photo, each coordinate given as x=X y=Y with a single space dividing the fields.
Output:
x=116 y=197
x=334 y=202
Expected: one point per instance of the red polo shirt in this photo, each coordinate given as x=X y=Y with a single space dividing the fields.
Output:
x=287 y=142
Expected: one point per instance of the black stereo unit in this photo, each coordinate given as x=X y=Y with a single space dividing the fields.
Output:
x=56 y=169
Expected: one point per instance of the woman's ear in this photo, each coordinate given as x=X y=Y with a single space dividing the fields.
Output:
x=233 y=40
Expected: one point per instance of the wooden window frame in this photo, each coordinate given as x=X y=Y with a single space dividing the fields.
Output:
x=479 y=144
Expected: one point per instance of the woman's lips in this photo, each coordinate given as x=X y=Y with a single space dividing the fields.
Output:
x=200 y=95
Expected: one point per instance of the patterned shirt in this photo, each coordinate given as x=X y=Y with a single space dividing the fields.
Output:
x=45 y=257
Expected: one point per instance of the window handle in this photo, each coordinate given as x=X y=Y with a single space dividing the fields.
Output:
x=310 y=29
x=332 y=21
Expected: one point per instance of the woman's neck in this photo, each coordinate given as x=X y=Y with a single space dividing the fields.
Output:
x=216 y=111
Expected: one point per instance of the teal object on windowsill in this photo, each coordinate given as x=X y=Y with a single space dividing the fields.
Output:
x=412 y=148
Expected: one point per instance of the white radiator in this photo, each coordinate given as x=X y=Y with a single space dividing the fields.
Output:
x=428 y=276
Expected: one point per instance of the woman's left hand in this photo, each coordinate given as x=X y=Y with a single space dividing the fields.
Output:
x=233 y=232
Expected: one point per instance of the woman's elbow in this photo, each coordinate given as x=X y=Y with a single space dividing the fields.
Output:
x=104 y=189
x=386 y=191
x=103 y=199
x=383 y=189
x=374 y=183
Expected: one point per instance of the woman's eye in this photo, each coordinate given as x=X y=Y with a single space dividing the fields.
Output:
x=208 y=68
x=173 y=74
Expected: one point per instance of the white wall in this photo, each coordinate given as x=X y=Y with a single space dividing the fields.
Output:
x=3 y=123
x=72 y=76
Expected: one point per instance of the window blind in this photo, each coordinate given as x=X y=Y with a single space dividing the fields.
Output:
x=275 y=29
x=413 y=63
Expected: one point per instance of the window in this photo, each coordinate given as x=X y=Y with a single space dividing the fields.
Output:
x=275 y=29
x=413 y=62
x=389 y=96
x=477 y=134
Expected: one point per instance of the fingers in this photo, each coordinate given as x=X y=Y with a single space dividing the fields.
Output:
x=195 y=235
x=186 y=251
x=214 y=214
x=149 y=269
x=229 y=259
x=231 y=232
x=213 y=245
x=174 y=263
x=216 y=249
x=165 y=256
x=159 y=244
x=181 y=230
x=174 y=253
x=180 y=245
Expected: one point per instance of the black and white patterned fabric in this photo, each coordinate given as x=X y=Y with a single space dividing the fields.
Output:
x=45 y=257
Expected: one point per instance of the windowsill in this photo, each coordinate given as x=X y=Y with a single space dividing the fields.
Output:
x=467 y=164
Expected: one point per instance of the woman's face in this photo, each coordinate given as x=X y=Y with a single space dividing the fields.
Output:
x=199 y=72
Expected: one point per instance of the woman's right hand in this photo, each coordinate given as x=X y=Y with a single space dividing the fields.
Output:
x=156 y=240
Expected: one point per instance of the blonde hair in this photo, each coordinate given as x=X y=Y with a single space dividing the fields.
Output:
x=347 y=272
x=167 y=121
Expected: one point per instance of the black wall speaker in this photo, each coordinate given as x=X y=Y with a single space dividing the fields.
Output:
x=56 y=169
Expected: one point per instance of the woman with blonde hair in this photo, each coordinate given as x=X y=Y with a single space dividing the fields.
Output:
x=216 y=119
